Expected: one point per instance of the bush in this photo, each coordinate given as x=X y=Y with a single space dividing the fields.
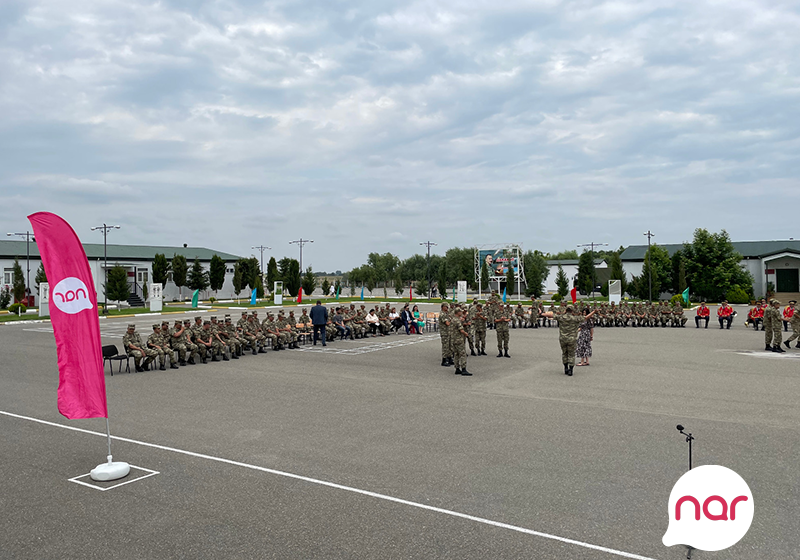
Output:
x=17 y=308
x=677 y=298
x=556 y=297
x=212 y=299
x=737 y=295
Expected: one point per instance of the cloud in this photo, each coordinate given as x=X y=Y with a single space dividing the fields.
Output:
x=546 y=123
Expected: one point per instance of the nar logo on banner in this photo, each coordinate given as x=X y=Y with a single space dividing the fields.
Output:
x=71 y=296
x=710 y=508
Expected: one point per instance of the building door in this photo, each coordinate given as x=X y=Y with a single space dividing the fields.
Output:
x=787 y=280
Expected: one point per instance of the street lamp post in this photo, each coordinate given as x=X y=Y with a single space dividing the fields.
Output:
x=429 y=244
x=105 y=229
x=649 y=234
x=28 y=238
x=301 y=242
x=594 y=273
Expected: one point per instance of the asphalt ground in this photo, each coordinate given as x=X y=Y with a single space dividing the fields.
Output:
x=590 y=459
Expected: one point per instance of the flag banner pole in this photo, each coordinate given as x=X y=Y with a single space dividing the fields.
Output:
x=76 y=328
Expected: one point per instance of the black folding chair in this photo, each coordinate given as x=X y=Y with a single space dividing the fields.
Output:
x=110 y=353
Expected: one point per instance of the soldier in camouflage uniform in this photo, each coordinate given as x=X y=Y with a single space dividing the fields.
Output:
x=205 y=338
x=248 y=337
x=678 y=318
x=502 y=318
x=255 y=328
x=197 y=333
x=217 y=341
x=169 y=350
x=232 y=338
x=270 y=331
x=568 y=326
x=468 y=324
x=134 y=347
x=156 y=342
x=444 y=334
x=360 y=327
x=518 y=319
x=191 y=346
x=295 y=332
x=458 y=333
x=773 y=321
x=286 y=328
x=479 y=327
x=304 y=325
x=178 y=341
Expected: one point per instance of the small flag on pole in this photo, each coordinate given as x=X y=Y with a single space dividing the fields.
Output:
x=574 y=294
x=337 y=291
x=300 y=295
x=253 y=297
x=686 y=296
x=411 y=292
x=362 y=293
x=504 y=295
x=454 y=294
x=195 y=297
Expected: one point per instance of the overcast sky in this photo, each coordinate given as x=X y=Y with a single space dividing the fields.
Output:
x=374 y=125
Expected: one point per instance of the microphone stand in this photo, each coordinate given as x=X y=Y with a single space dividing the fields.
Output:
x=689 y=440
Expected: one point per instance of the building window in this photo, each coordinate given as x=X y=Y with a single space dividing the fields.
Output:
x=8 y=275
x=141 y=276
x=230 y=271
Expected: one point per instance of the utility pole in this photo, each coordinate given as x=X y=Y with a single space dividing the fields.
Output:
x=261 y=262
x=594 y=273
x=28 y=238
x=301 y=242
x=105 y=229
x=649 y=234
x=429 y=244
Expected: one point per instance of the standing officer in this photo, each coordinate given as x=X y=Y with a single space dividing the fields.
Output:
x=319 y=319
x=444 y=334
x=772 y=327
x=459 y=334
x=568 y=325
x=479 y=328
x=502 y=318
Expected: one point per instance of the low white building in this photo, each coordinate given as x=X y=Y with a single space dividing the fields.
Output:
x=136 y=259
x=570 y=267
x=777 y=262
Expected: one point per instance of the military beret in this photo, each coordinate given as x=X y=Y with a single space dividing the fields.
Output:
x=156 y=326
x=131 y=326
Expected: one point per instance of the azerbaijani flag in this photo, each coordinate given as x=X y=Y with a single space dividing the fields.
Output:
x=73 y=313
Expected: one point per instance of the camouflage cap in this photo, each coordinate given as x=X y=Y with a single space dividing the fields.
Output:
x=244 y=313
x=187 y=322
x=131 y=326
x=291 y=312
x=198 y=318
x=164 y=323
x=206 y=322
x=227 y=316
x=280 y=312
x=178 y=321
x=775 y=302
x=156 y=326
x=213 y=317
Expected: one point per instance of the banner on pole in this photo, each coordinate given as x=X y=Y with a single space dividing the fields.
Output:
x=195 y=298
x=73 y=313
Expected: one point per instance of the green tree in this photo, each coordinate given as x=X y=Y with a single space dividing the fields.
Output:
x=713 y=265
x=18 y=282
x=421 y=288
x=198 y=278
x=293 y=279
x=441 y=281
x=272 y=273
x=461 y=265
x=383 y=268
x=399 y=286
x=570 y=255
x=337 y=287
x=180 y=270
x=586 y=273
x=326 y=287
x=661 y=272
x=238 y=281
x=216 y=273
x=536 y=272
x=283 y=269
x=259 y=287
x=562 y=282
x=117 y=289
x=160 y=269
x=41 y=277
x=309 y=281
x=253 y=272
x=484 y=277
x=5 y=297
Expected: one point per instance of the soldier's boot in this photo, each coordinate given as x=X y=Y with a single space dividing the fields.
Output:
x=506 y=354
x=173 y=365
x=472 y=352
x=182 y=362
x=797 y=345
x=444 y=362
x=483 y=352
x=787 y=344
x=499 y=352
x=566 y=369
x=778 y=349
x=465 y=373
x=253 y=346
x=261 y=349
x=225 y=357
x=191 y=361
x=768 y=348
x=571 y=369
x=458 y=371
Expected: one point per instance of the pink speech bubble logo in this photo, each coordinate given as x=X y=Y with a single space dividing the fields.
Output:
x=710 y=508
x=71 y=296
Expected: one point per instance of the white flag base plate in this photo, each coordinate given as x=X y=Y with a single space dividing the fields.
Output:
x=112 y=470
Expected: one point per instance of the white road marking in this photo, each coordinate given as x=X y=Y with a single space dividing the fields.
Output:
x=773 y=355
x=77 y=480
x=374 y=347
x=319 y=482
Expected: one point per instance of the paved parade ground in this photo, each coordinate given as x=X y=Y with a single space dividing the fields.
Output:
x=370 y=449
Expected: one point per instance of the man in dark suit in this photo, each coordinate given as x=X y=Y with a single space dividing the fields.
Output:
x=319 y=319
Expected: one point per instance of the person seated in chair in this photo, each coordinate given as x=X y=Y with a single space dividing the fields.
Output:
x=374 y=323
